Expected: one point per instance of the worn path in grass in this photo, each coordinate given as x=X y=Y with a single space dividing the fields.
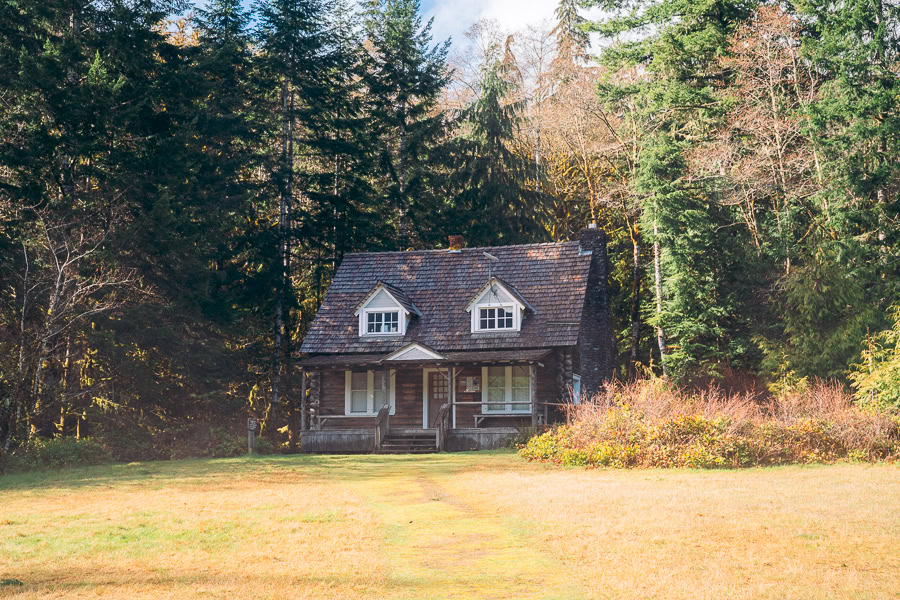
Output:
x=439 y=545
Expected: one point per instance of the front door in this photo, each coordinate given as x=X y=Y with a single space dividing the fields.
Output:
x=438 y=395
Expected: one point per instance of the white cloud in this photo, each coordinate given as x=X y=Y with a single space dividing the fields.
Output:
x=453 y=17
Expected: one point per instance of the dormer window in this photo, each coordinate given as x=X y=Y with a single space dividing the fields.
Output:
x=497 y=308
x=386 y=310
x=500 y=317
x=382 y=322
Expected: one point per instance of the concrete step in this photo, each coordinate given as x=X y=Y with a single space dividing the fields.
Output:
x=410 y=446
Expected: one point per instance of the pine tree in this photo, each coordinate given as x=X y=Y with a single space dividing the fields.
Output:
x=847 y=272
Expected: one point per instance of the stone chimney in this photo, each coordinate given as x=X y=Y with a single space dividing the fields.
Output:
x=596 y=342
x=457 y=242
x=590 y=239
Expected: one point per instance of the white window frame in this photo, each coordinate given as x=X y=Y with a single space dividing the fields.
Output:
x=508 y=401
x=370 y=393
x=576 y=389
x=403 y=316
x=482 y=301
x=364 y=322
x=476 y=317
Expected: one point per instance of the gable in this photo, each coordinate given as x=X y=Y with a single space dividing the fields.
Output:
x=494 y=294
x=414 y=352
x=382 y=300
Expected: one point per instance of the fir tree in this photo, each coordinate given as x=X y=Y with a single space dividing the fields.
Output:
x=295 y=61
x=405 y=75
x=493 y=203
x=674 y=74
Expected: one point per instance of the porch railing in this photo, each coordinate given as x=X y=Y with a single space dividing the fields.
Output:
x=382 y=425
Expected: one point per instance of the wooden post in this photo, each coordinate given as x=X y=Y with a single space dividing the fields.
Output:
x=251 y=435
x=532 y=372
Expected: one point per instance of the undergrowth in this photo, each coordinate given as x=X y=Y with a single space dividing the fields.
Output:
x=649 y=424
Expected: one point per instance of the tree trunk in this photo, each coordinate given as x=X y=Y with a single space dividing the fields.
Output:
x=635 y=300
x=657 y=277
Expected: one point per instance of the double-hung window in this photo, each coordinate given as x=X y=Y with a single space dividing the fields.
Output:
x=495 y=317
x=382 y=322
x=506 y=390
x=365 y=392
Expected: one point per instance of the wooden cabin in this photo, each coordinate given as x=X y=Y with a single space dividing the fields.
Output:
x=455 y=349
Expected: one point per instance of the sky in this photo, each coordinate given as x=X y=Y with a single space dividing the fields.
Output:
x=453 y=17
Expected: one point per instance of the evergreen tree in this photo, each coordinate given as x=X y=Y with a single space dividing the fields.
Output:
x=571 y=32
x=405 y=76
x=672 y=104
x=295 y=60
x=345 y=214
x=847 y=275
x=492 y=202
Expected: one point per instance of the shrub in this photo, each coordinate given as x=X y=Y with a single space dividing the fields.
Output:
x=646 y=424
x=262 y=446
x=58 y=453
x=876 y=378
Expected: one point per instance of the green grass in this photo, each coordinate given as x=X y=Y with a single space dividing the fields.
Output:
x=468 y=525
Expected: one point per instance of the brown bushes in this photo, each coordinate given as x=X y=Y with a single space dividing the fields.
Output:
x=649 y=424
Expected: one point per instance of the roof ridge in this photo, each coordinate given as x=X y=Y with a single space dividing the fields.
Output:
x=447 y=250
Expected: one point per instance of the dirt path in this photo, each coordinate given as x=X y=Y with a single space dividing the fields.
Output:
x=438 y=545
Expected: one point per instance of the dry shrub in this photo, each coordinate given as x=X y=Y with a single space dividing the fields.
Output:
x=648 y=423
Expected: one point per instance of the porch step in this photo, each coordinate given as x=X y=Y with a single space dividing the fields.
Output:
x=408 y=443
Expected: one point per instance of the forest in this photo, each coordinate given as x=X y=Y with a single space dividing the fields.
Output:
x=179 y=182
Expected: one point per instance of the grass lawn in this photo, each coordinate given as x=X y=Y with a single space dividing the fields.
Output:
x=473 y=525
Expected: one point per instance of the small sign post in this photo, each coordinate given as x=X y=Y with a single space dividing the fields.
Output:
x=251 y=435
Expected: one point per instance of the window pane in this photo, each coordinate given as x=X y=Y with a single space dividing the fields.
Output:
x=358 y=401
x=379 y=380
x=375 y=322
x=391 y=322
x=359 y=381
x=496 y=377
x=520 y=395
x=380 y=399
x=496 y=397
x=496 y=389
x=520 y=377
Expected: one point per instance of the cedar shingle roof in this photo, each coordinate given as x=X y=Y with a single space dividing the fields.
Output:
x=551 y=277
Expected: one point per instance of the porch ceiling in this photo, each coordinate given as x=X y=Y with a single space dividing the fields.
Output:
x=343 y=361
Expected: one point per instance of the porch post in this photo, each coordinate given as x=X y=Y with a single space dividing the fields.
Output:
x=304 y=402
x=532 y=372
x=453 y=399
x=315 y=380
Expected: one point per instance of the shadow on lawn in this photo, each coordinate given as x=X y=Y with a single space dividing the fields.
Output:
x=182 y=580
x=284 y=469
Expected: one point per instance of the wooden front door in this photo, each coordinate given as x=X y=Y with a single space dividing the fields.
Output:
x=438 y=395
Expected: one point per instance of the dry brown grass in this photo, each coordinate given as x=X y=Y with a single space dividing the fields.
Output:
x=482 y=525
x=658 y=401
x=822 y=417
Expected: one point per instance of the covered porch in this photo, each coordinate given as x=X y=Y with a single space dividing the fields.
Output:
x=420 y=400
